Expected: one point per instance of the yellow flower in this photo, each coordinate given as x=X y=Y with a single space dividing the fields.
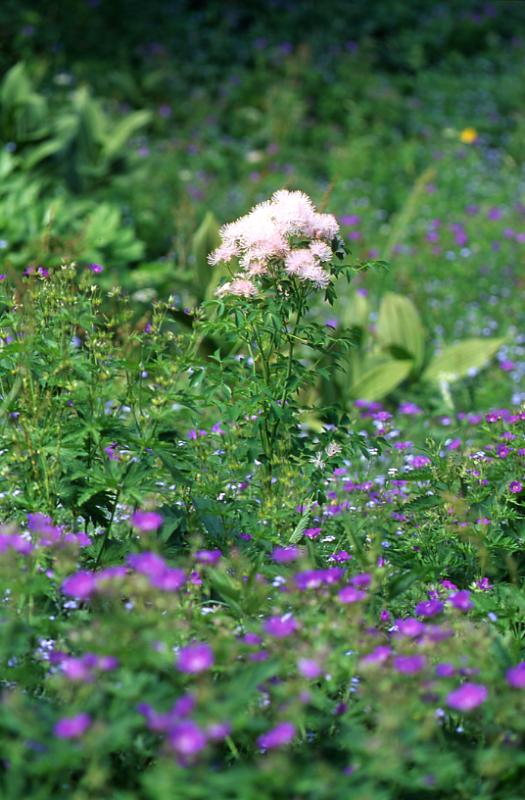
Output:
x=468 y=135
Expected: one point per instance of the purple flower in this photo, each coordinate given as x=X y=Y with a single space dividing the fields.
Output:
x=284 y=555
x=77 y=669
x=418 y=462
x=145 y=521
x=186 y=738
x=516 y=676
x=72 y=727
x=445 y=670
x=362 y=580
x=195 y=658
x=410 y=627
x=217 y=731
x=208 y=556
x=467 y=697
x=410 y=409
x=97 y=268
x=378 y=656
x=312 y=533
x=409 y=665
x=112 y=452
x=281 y=735
x=170 y=580
x=80 y=585
x=349 y=594
x=461 y=600
x=309 y=668
x=429 y=608
x=147 y=563
x=280 y=627
x=515 y=487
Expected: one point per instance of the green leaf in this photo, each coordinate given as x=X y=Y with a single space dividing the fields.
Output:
x=380 y=379
x=456 y=360
x=205 y=239
x=399 y=327
x=121 y=133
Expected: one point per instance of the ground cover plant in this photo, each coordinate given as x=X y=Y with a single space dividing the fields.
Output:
x=262 y=415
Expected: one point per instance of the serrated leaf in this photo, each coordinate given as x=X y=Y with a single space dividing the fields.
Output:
x=456 y=360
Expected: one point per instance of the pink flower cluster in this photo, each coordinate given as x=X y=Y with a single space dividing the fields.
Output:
x=285 y=232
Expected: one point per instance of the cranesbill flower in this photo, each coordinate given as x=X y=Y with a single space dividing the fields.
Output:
x=445 y=670
x=516 y=676
x=147 y=563
x=461 y=600
x=186 y=738
x=380 y=655
x=280 y=736
x=309 y=668
x=72 y=727
x=411 y=627
x=195 y=658
x=208 y=556
x=409 y=665
x=284 y=555
x=467 y=697
x=429 y=608
x=280 y=627
x=349 y=594
x=145 y=521
x=80 y=585
x=169 y=580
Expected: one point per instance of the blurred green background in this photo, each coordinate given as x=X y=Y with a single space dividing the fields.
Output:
x=129 y=131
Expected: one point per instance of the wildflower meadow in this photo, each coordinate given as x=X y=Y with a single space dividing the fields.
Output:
x=262 y=400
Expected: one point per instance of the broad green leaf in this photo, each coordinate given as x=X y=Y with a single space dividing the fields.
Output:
x=399 y=327
x=456 y=360
x=120 y=134
x=381 y=379
x=205 y=239
x=16 y=86
x=356 y=312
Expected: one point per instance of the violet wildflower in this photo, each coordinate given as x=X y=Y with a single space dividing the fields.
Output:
x=362 y=580
x=461 y=600
x=280 y=736
x=72 y=727
x=195 y=658
x=309 y=668
x=80 y=585
x=169 y=580
x=411 y=627
x=280 y=627
x=217 y=731
x=516 y=676
x=349 y=594
x=145 y=521
x=467 y=697
x=445 y=670
x=429 y=608
x=96 y=268
x=210 y=557
x=312 y=533
x=187 y=739
x=409 y=665
x=380 y=655
x=284 y=555
x=515 y=487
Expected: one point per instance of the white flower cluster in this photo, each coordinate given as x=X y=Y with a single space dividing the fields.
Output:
x=268 y=236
